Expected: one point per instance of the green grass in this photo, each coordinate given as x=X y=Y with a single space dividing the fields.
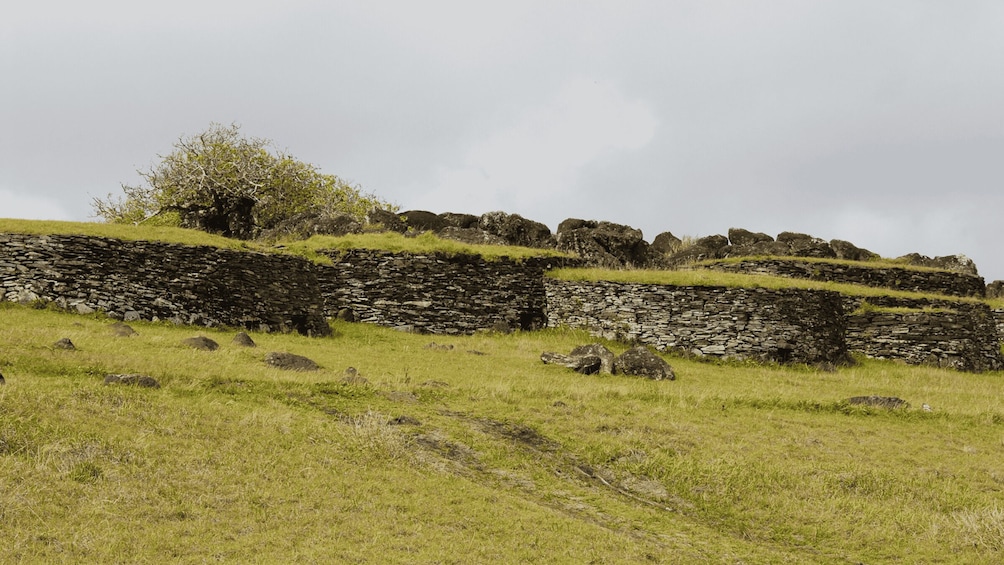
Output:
x=879 y=263
x=511 y=460
x=705 y=277
x=425 y=243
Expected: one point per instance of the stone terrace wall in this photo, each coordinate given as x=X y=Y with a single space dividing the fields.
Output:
x=154 y=280
x=959 y=334
x=790 y=325
x=939 y=282
x=438 y=293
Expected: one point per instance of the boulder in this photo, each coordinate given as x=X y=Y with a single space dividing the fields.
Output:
x=387 y=220
x=804 y=245
x=290 y=361
x=847 y=250
x=201 y=343
x=516 y=230
x=665 y=243
x=995 y=289
x=242 y=339
x=585 y=364
x=420 y=220
x=346 y=315
x=740 y=237
x=709 y=247
x=603 y=244
x=954 y=263
x=639 y=361
x=307 y=224
x=462 y=221
x=597 y=350
x=145 y=381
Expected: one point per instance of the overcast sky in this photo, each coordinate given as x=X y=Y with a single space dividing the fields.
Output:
x=880 y=122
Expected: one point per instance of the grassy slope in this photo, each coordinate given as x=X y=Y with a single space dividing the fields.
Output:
x=513 y=460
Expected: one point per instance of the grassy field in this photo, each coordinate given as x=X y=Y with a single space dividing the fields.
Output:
x=470 y=450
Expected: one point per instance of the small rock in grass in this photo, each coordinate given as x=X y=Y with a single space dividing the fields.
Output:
x=202 y=343
x=122 y=330
x=242 y=339
x=64 y=343
x=404 y=421
x=132 y=379
x=352 y=377
x=290 y=361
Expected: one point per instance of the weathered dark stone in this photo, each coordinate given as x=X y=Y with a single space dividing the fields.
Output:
x=598 y=350
x=603 y=244
x=516 y=230
x=307 y=224
x=420 y=220
x=639 y=361
x=389 y=221
x=665 y=243
x=847 y=250
x=242 y=339
x=954 y=263
x=122 y=330
x=2 y=380
x=145 y=381
x=890 y=402
x=64 y=343
x=290 y=361
x=709 y=247
x=741 y=237
x=462 y=221
x=585 y=364
x=201 y=343
x=995 y=289
x=346 y=315
x=803 y=245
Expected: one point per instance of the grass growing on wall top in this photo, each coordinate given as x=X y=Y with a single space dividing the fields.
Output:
x=868 y=264
x=127 y=232
x=499 y=458
x=707 y=277
x=387 y=241
x=425 y=243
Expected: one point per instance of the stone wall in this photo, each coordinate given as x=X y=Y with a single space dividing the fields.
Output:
x=437 y=293
x=162 y=281
x=938 y=282
x=963 y=338
x=788 y=325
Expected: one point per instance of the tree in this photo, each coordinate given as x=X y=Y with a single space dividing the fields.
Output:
x=221 y=182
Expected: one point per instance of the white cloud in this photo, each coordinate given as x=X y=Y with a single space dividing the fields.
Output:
x=541 y=155
x=26 y=206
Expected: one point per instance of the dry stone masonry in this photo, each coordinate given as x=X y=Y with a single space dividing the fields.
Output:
x=438 y=293
x=803 y=326
x=461 y=294
x=162 y=281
